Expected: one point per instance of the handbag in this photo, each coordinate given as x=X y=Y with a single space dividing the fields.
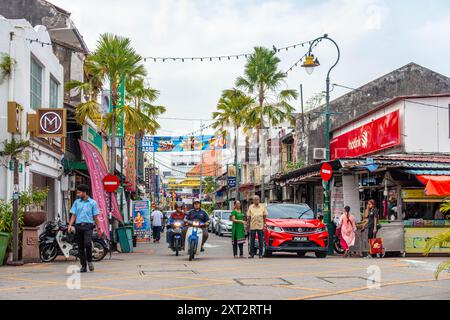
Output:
x=376 y=246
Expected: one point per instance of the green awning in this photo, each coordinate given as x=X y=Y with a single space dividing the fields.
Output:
x=74 y=165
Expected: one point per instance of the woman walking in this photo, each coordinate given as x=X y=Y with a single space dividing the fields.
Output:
x=238 y=230
x=348 y=228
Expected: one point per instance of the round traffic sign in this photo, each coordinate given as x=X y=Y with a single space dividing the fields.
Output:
x=326 y=171
x=111 y=183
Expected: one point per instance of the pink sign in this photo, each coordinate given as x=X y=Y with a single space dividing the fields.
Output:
x=97 y=170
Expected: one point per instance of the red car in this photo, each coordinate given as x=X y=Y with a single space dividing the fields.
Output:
x=294 y=228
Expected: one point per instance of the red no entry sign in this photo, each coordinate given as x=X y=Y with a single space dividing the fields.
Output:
x=326 y=171
x=111 y=183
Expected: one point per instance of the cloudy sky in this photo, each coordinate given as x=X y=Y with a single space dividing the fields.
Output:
x=375 y=37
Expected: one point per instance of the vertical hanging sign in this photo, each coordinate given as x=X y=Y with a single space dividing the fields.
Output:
x=120 y=103
x=130 y=169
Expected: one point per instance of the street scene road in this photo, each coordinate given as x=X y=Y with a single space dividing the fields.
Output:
x=154 y=272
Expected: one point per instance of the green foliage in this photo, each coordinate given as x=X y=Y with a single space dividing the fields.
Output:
x=14 y=148
x=7 y=220
x=210 y=185
x=33 y=199
x=290 y=166
x=6 y=66
x=315 y=101
x=209 y=207
x=440 y=240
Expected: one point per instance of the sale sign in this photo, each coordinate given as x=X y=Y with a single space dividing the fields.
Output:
x=377 y=135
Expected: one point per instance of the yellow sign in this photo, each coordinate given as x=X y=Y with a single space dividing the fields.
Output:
x=418 y=195
x=416 y=239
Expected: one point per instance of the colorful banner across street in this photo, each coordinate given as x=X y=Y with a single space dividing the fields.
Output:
x=97 y=170
x=374 y=136
x=140 y=210
x=182 y=143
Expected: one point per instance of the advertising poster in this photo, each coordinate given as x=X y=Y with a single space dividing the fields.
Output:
x=416 y=239
x=182 y=143
x=140 y=210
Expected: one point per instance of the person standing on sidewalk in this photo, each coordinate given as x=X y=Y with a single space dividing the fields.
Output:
x=348 y=228
x=156 y=218
x=84 y=212
x=238 y=230
x=256 y=218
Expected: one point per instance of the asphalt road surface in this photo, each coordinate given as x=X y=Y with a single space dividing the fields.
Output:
x=154 y=272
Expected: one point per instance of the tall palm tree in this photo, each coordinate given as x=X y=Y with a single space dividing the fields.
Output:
x=263 y=80
x=439 y=240
x=232 y=111
x=113 y=60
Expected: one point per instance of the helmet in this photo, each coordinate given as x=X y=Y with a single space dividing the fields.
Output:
x=196 y=200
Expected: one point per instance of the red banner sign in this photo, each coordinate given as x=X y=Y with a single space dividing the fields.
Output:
x=377 y=135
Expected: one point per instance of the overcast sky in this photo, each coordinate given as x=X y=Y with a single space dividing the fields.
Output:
x=375 y=37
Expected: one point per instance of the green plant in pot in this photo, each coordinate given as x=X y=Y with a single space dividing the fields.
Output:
x=6 y=229
x=31 y=204
x=6 y=66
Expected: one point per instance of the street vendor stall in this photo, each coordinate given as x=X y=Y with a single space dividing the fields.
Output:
x=423 y=220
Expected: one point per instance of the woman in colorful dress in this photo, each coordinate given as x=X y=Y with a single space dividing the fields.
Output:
x=238 y=230
x=348 y=228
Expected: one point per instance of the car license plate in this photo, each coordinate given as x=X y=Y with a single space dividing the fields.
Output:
x=300 y=239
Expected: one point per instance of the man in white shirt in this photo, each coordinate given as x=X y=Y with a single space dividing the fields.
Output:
x=156 y=218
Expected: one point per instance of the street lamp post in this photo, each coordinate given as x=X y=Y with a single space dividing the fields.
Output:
x=309 y=64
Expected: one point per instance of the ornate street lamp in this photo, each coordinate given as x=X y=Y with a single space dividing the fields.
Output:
x=309 y=64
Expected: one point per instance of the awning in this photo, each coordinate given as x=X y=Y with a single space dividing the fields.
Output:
x=436 y=185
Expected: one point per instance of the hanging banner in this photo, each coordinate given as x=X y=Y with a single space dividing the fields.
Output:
x=374 y=136
x=97 y=170
x=140 y=210
x=120 y=123
x=182 y=143
x=130 y=168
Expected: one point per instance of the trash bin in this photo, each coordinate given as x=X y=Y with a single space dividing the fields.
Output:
x=125 y=235
x=4 y=240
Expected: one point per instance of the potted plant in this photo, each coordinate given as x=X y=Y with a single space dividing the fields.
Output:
x=6 y=66
x=32 y=204
x=6 y=229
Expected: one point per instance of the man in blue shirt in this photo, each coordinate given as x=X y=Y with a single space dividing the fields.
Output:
x=84 y=213
x=198 y=214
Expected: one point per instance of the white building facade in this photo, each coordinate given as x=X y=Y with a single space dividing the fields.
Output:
x=36 y=82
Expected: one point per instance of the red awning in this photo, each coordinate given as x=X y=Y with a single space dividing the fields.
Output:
x=435 y=185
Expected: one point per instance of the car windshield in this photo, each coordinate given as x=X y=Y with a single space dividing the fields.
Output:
x=226 y=215
x=297 y=211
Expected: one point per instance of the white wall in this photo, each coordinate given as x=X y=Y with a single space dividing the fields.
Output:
x=44 y=161
x=426 y=127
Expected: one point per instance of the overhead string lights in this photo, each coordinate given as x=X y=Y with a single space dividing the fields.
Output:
x=39 y=42
x=223 y=57
x=299 y=61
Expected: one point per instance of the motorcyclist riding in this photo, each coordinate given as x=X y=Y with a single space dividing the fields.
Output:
x=177 y=215
x=198 y=214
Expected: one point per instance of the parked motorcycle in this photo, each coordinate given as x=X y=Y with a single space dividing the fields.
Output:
x=194 y=237
x=56 y=240
x=176 y=244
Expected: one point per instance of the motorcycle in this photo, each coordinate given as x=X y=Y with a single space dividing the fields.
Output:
x=194 y=237
x=176 y=244
x=56 y=240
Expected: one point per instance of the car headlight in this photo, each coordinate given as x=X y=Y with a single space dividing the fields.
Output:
x=322 y=229
x=276 y=229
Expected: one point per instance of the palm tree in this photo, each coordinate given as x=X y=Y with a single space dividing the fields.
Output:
x=232 y=111
x=92 y=88
x=440 y=240
x=263 y=80
x=113 y=60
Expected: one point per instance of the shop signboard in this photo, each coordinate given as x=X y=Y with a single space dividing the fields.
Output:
x=416 y=239
x=182 y=143
x=94 y=138
x=140 y=213
x=120 y=123
x=374 y=136
x=51 y=123
x=409 y=195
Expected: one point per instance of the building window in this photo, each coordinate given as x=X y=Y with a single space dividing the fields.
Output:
x=35 y=85
x=53 y=93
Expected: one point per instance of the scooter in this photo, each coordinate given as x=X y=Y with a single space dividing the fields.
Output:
x=56 y=240
x=177 y=231
x=194 y=237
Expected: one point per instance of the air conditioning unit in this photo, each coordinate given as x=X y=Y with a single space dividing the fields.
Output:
x=319 y=153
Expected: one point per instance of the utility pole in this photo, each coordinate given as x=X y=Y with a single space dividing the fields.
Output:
x=201 y=160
